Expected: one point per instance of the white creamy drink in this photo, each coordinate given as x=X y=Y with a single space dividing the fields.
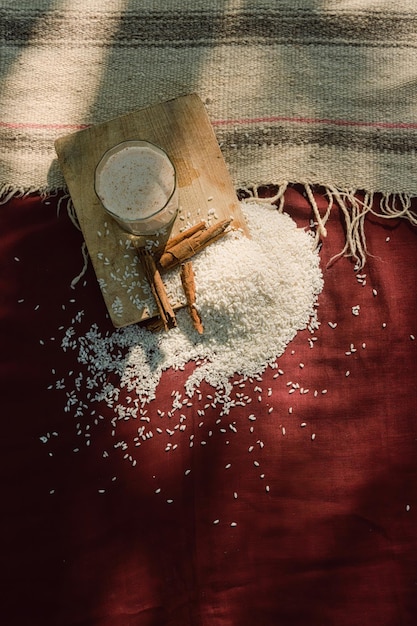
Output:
x=136 y=184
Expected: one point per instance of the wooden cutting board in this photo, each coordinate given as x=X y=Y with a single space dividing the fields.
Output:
x=182 y=128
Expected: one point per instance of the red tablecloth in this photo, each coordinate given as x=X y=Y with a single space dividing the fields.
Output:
x=316 y=528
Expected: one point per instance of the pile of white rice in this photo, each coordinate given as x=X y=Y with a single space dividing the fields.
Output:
x=253 y=296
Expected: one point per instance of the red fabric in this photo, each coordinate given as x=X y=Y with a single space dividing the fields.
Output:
x=333 y=541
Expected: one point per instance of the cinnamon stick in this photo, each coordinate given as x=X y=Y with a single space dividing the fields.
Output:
x=185 y=234
x=157 y=286
x=191 y=245
x=187 y=279
x=155 y=324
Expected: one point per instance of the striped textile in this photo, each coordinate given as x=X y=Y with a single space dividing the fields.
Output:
x=308 y=91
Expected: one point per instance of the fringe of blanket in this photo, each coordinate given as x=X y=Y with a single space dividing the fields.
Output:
x=66 y=199
x=354 y=207
x=8 y=192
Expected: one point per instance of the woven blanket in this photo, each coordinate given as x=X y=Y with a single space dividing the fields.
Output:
x=298 y=91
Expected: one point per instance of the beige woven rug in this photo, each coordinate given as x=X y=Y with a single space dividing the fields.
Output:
x=298 y=91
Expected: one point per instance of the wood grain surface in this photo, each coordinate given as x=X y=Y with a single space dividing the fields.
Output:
x=182 y=128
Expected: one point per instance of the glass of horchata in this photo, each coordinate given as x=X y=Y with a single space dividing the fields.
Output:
x=137 y=186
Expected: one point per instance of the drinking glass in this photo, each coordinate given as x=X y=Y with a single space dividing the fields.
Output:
x=137 y=185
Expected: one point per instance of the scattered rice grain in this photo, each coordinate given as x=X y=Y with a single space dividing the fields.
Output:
x=135 y=359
